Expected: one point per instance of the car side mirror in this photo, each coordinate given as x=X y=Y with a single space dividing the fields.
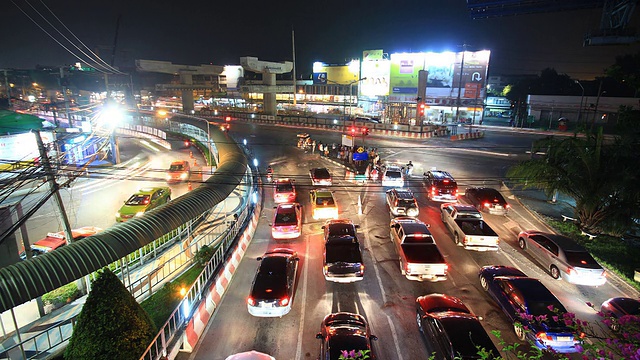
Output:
x=323 y=227
x=270 y=224
x=275 y=207
x=297 y=259
x=424 y=174
x=259 y=258
x=357 y=226
x=428 y=225
x=319 y=336
x=373 y=337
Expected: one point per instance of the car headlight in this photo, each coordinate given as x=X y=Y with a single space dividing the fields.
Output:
x=140 y=213
x=168 y=176
x=183 y=176
x=412 y=212
x=118 y=214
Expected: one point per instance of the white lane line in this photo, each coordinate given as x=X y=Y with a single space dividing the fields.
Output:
x=304 y=299
x=395 y=338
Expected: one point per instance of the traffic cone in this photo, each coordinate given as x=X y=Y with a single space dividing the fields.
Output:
x=191 y=154
x=195 y=162
x=189 y=187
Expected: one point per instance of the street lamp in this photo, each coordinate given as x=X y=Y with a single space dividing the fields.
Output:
x=595 y=111
x=581 y=99
x=351 y=94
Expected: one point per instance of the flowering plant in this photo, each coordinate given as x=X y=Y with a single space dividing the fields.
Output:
x=354 y=355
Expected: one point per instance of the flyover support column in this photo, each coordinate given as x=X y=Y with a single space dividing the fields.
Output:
x=187 y=94
x=269 y=97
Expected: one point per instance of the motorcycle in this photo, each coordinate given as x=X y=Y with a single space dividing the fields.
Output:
x=269 y=177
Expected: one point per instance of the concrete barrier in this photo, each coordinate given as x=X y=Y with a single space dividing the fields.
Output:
x=467 y=136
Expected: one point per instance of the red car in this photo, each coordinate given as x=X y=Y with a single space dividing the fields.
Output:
x=284 y=191
x=58 y=239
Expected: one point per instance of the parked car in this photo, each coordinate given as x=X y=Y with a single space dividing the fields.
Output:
x=323 y=205
x=178 y=171
x=320 y=177
x=488 y=199
x=142 y=201
x=274 y=285
x=617 y=307
x=450 y=330
x=530 y=306
x=287 y=221
x=401 y=202
x=562 y=257
x=342 y=259
x=440 y=186
x=392 y=177
x=284 y=191
x=344 y=331
x=58 y=239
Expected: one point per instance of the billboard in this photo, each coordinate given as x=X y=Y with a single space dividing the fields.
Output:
x=22 y=147
x=336 y=74
x=404 y=71
x=376 y=78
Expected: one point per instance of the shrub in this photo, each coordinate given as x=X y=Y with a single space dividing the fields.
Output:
x=62 y=295
x=203 y=256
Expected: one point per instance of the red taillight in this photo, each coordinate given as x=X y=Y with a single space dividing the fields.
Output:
x=446 y=268
x=543 y=336
x=571 y=271
x=507 y=206
x=326 y=268
x=284 y=301
x=361 y=268
x=487 y=204
x=251 y=301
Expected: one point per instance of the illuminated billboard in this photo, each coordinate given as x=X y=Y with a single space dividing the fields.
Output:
x=376 y=78
x=336 y=74
x=405 y=68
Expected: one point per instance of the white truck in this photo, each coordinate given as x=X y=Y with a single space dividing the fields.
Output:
x=468 y=228
x=420 y=258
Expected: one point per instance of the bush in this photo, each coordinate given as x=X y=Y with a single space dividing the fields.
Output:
x=203 y=256
x=62 y=295
x=111 y=325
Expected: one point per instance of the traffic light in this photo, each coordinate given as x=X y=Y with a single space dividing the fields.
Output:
x=421 y=107
x=227 y=118
x=365 y=131
x=353 y=130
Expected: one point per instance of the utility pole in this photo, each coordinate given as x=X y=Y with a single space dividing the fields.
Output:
x=6 y=84
x=63 y=83
x=293 y=47
x=54 y=187
x=464 y=49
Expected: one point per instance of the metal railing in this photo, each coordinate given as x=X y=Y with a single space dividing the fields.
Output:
x=54 y=337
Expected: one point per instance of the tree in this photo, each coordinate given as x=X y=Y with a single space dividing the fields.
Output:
x=111 y=325
x=598 y=176
x=627 y=70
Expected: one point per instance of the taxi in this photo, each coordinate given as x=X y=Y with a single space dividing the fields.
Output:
x=287 y=221
x=284 y=191
x=58 y=239
x=143 y=200
x=178 y=171
x=323 y=205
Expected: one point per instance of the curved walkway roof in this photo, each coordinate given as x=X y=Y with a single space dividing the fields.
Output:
x=29 y=279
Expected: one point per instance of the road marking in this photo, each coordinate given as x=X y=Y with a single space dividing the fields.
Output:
x=304 y=299
x=395 y=338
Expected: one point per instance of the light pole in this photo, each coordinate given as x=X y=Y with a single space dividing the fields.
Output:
x=351 y=94
x=595 y=111
x=581 y=99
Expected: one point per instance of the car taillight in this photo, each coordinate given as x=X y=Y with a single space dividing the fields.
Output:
x=487 y=204
x=446 y=268
x=571 y=271
x=507 y=206
x=361 y=268
x=251 y=301
x=326 y=268
x=542 y=336
x=284 y=301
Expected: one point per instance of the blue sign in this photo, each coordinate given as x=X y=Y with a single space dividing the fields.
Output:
x=320 y=78
x=360 y=156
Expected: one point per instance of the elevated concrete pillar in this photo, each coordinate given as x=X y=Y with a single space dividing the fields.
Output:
x=187 y=95
x=269 y=98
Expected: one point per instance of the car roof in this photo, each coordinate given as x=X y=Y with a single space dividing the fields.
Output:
x=531 y=289
x=403 y=193
x=392 y=168
x=323 y=193
x=414 y=228
x=433 y=302
x=464 y=207
x=440 y=174
x=180 y=162
x=280 y=252
x=565 y=243
x=149 y=191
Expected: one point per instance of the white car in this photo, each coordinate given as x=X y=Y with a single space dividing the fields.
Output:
x=392 y=177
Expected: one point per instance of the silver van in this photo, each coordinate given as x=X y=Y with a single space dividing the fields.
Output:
x=562 y=257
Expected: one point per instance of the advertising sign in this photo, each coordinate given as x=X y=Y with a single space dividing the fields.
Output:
x=404 y=72
x=372 y=55
x=338 y=74
x=22 y=147
x=440 y=68
x=347 y=140
x=475 y=72
x=319 y=78
x=376 y=78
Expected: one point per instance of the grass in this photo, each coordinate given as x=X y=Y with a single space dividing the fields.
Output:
x=163 y=302
x=611 y=252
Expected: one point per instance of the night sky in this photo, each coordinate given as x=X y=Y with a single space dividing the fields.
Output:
x=218 y=32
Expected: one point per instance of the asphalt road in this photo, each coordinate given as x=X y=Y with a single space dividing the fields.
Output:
x=384 y=297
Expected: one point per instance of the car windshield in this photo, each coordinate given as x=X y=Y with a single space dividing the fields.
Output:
x=176 y=167
x=321 y=174
x=406 y=202
x=418 y=239
x=491 y=195
x=446 y=184
x=284 y=187
x=341 y=230
x=581 y=259
x=286 y=217
x=325 y=201
x=138 y=199
x=629 y=306
x=393 y=174
x=548 y=308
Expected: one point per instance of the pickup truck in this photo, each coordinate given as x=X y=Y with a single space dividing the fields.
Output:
x=468 y=228
x=420 y=258
x=342 y=256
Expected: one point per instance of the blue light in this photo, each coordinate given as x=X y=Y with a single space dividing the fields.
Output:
x=255 y=162
x=244 y=141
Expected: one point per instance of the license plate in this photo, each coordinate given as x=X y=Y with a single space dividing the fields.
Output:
x=498 y=207
x=565 y=338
